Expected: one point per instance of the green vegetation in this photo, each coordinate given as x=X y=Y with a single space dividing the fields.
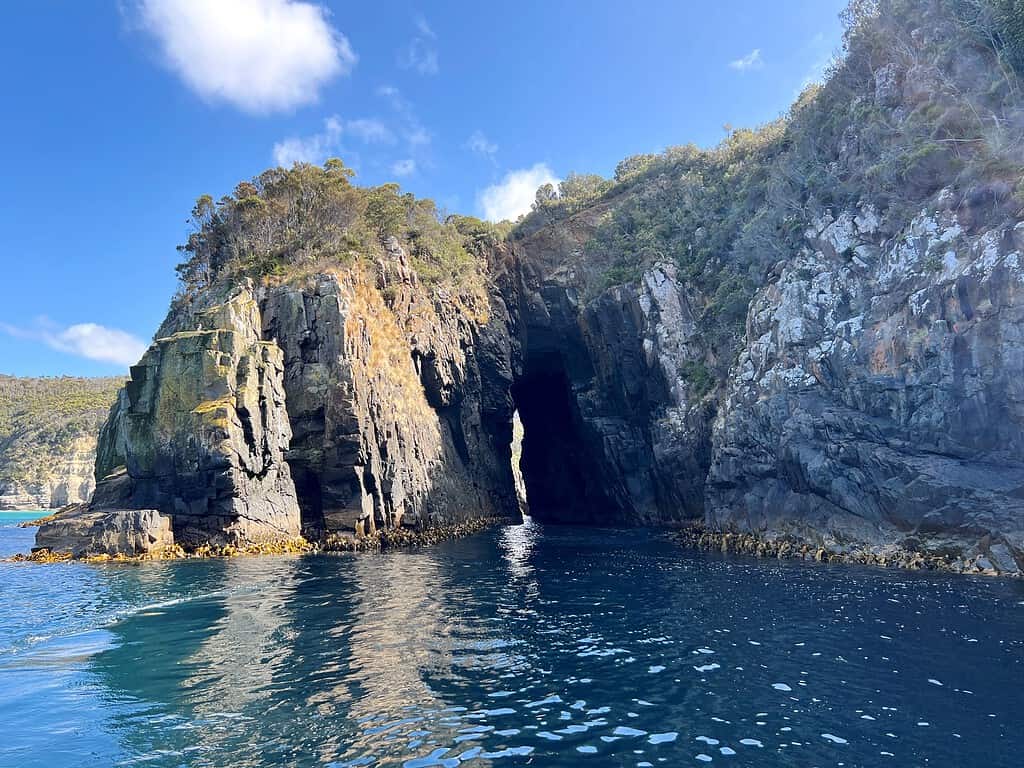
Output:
x=40 y=419
x=289 y=220
x=927 y=95
x=697 y=375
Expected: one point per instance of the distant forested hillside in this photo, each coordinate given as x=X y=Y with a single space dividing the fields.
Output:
x=48 y=430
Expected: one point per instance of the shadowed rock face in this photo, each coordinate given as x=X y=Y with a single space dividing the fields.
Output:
x=877 y=400
x=614 y=433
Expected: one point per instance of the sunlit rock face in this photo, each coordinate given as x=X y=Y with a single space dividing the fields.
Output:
x=338 y=404
x=398 y=398
x=202 y=432
x=85 y=532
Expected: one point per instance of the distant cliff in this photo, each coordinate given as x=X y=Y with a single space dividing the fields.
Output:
x=811 y=334
x=48 y=431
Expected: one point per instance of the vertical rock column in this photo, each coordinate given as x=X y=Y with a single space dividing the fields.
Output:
x=202 y=430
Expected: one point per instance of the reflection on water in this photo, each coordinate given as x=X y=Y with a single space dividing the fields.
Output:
x=524 y=645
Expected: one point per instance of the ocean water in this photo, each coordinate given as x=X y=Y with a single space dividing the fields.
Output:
x=525 y=645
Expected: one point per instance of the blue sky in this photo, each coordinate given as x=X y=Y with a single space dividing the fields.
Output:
x=117 y=115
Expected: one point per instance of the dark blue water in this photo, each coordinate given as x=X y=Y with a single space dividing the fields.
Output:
x=521 y=646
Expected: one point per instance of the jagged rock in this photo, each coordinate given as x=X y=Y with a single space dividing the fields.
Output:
x=615 y=431
x=399 y=402
x=388 y=403
x=202 y=430
x=878 y=402
x=85 y=532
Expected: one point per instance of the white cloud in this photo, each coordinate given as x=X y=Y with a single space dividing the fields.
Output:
x=514 y=195
x=309 y=149
x=258 y=55
x=404 y=167
x=421 y=53
x=88 y=340
x=370 y=131
x=317 y=147
x=418 y=137
x=481 y=145
x=424 y=28
x=412 y=131
x=751 y=61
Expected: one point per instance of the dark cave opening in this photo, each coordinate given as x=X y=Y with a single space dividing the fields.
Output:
x=561 y=473
x=309 y=491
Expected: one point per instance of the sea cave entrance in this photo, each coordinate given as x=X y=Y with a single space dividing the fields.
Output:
x=561 y=477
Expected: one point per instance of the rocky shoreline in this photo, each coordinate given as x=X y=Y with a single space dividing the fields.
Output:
x=379 y=541
x=702 y=538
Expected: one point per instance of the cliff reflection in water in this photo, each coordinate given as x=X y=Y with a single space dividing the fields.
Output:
x=526 y=644
x=333 y=642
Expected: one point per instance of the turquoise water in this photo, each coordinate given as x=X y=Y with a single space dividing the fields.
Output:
x=521 y=646
x=6 y=518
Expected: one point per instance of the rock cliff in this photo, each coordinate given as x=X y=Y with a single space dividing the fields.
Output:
x=330 y=406
x=866 y=400
x=879 y=394
x=810 y=336
x=201 y=431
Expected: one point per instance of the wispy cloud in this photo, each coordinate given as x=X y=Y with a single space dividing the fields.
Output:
x=410 y=130
x=751 y=61
x=88 y=340
x=514 y=194
x=405 y=167
x=309 y=149
x=421 y=53
x=317 y=147
x=479 y=144
x=257 y=55
x=370 y=131
x=824 y=52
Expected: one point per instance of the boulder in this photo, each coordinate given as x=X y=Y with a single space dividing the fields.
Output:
x=84 y=532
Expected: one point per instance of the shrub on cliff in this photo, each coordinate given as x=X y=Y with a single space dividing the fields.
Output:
x=288 y=220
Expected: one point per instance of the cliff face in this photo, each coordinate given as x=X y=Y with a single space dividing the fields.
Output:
x=876 y=402
x=811 y=334
x=398 y=398
x=879 y=393
x=201 y=432
x=870 y=401
x=333 y=406
x=613 y=430
x=48 y=433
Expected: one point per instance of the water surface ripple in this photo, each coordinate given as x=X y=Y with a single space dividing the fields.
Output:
x=526 y=645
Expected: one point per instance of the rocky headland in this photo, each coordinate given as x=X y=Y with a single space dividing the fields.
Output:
x=808 y=340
